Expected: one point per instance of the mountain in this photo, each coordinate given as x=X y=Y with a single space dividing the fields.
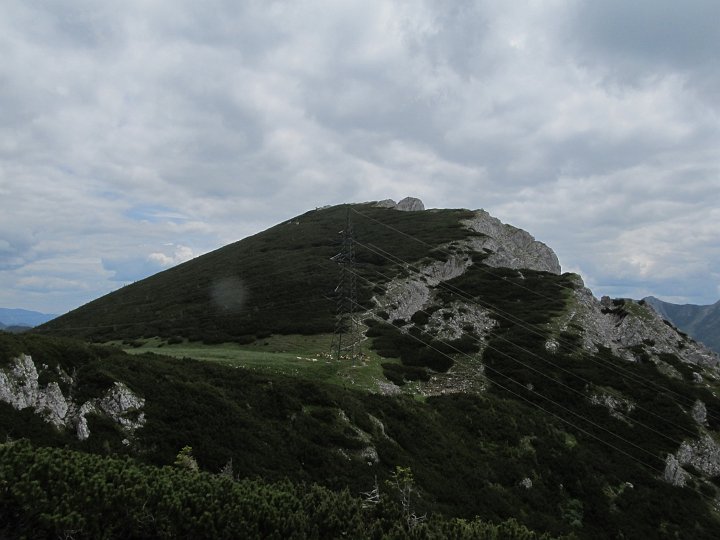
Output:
x=282 y=280
x=701 y=322
x=23 y=317
x=474 y=380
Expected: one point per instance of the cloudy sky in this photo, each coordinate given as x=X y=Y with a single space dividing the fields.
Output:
x=137 y=134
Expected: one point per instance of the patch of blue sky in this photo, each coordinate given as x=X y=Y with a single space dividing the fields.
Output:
x=110 y=195
x=154 y=214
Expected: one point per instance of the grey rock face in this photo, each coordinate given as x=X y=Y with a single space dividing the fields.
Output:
x=701 y=322
x=674 y=474
x=618 y=406
x=702 y=454
x=509 y=246
x=622 y=327
x=386 y=203
x=19 y=386
x=406 y=296
x=699 y=413
x=119 y=403
x=455 y=318
x=410 y=204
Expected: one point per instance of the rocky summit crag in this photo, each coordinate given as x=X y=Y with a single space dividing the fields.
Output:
x=505 y=385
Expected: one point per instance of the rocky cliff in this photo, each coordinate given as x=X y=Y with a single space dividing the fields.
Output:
x=20 y=387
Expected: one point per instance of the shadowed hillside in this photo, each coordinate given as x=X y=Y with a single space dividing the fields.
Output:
x=278 y=281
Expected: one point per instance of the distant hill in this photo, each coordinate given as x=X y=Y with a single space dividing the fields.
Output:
x=15 y=329
x=23 y=317
x=700 y=322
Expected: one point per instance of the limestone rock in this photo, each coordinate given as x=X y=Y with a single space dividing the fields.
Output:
x=619 y=406
x=699 y=413
x=405 y=296
x=20 y=387
x=626 y=325
x=81 y=424
x=386 y=203
x=410 y=204
x=121 y=405
x=674 y=474
x=508 y=246
x=703 y=454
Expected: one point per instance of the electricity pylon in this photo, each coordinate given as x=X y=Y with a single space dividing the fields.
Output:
x=345 y=338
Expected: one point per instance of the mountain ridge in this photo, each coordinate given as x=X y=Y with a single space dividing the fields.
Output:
x=508 y=391
x=23 y=317
x=701 y=322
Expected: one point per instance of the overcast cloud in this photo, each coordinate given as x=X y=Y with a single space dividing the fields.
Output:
x=136 y=135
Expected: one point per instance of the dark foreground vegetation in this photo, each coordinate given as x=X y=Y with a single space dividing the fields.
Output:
x=492 y=458
x=55 y=493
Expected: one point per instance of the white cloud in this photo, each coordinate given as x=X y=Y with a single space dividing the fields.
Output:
x=126 y=126
x=180 y=254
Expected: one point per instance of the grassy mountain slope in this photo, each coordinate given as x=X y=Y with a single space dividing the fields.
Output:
x=701 y=322
x=278 y=281
x=508 y=392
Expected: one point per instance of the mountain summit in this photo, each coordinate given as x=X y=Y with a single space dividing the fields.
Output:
x=460 y=351
x=282 y=280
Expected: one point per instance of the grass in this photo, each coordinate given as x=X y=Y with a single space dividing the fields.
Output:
x=308 y=357
x=279 y=281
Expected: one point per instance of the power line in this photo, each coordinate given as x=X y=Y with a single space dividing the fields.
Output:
x=550 y=378
x=429 y=345
x=499 y=312
x=346 y=297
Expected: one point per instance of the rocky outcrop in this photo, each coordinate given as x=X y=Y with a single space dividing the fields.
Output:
x=458 y=318
x=702 y=454
x=406 y=296
x=674 y=474
x=408 y=204
x=626 y=327
x=20 y=387
x=700 y=322
x=699 y=413
x=617 y=405
x=509 y=247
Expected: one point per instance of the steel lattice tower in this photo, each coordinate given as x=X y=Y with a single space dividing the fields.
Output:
x=345 y=338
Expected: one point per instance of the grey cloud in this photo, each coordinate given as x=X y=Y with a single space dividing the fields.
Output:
x=130 y=269
x=683 y=35
x=639 y=42
x=241 y=114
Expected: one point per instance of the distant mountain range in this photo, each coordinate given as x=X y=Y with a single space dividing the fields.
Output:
x=11 y=318
x=700 y=322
